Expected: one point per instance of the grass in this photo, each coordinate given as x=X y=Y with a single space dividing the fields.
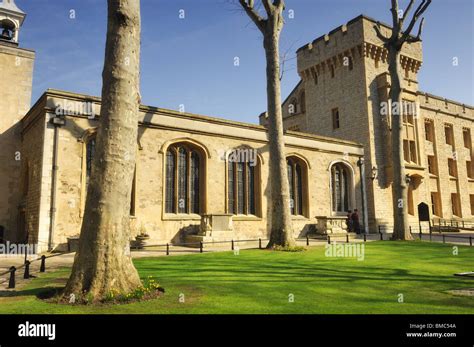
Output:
x=259 y=281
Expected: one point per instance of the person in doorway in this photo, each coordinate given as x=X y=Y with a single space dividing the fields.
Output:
x=355 y=221
x=350 y=228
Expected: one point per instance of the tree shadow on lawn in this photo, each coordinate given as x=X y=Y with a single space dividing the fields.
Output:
x=40 y=293
x=214 y=271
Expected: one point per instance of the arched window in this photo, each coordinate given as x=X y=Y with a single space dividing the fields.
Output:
x=183 y=179
x=90 y=152
x=297 y=179
x=7 y=30
x=242 y=182
x=341 y=187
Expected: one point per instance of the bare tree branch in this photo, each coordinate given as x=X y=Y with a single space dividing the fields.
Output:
x=269 y=7
x=395 y=20
x=379 y=33
x=284 y=58
x=411 y=39
x=407 y=11
x=419 y=11
x=248 y=6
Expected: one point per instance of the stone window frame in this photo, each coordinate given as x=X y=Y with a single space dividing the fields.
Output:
x=436 y=208
x=257 y=189
x=204 y=157
x=456 y=209
x=430 y=135
x=449 y=137
x=468 y=139
x=191 y=197
x=432 y=163
x=452 y=168
x=411 y=149
x=302 y=202
x=351 y=187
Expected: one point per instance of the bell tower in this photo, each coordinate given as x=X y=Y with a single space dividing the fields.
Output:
x=16 y=78
x=11 y=19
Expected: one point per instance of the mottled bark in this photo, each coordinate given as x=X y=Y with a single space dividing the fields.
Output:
x=399 y=186
x=103 y=262
x=281 y=231
x=394 y=45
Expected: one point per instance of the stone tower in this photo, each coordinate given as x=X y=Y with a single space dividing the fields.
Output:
x=16 y=75
x=344 y=80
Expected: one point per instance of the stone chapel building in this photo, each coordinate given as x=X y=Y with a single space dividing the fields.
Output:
x=206 y=178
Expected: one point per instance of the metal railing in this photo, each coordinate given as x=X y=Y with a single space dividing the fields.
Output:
x=426 y=232
x=453 y=223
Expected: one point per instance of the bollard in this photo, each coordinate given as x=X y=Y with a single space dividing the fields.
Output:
x=259 y=243
x=347 y=238
x=26 y=275
x=43 y=263
x=381 y=237
x=167 y=249
x=329 y=240
x=200 y=246
x=470 y=240
x=380 y=228
x=11 y=282
x=232 y=247
x=307 y=240
x=365 y=237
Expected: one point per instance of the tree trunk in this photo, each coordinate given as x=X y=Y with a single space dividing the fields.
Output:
x=103 y=262
x=399 y=185
x=281 y=231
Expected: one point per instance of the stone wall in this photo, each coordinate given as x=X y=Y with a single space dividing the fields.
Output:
x=442 y=112
x=160 y=128
x=16 y=71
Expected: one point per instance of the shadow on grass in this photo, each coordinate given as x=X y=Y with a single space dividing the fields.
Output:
x=41 y=293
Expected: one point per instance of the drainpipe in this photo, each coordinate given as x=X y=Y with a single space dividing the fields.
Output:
x=363 y=191
x=57 y=122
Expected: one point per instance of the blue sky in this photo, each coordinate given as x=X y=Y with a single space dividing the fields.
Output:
x=191 y=61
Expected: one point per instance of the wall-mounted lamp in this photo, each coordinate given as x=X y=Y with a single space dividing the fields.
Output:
x=407 y=179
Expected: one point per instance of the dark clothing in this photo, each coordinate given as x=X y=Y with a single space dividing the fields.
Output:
x=355 y=222
x=350 y=226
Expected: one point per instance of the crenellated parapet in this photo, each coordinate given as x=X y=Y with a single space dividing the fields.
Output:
x=350 y=44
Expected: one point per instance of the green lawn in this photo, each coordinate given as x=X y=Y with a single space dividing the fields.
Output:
x=260 y=281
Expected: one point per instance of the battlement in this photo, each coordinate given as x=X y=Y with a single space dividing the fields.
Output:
x=354 y=40
x=445 y=106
